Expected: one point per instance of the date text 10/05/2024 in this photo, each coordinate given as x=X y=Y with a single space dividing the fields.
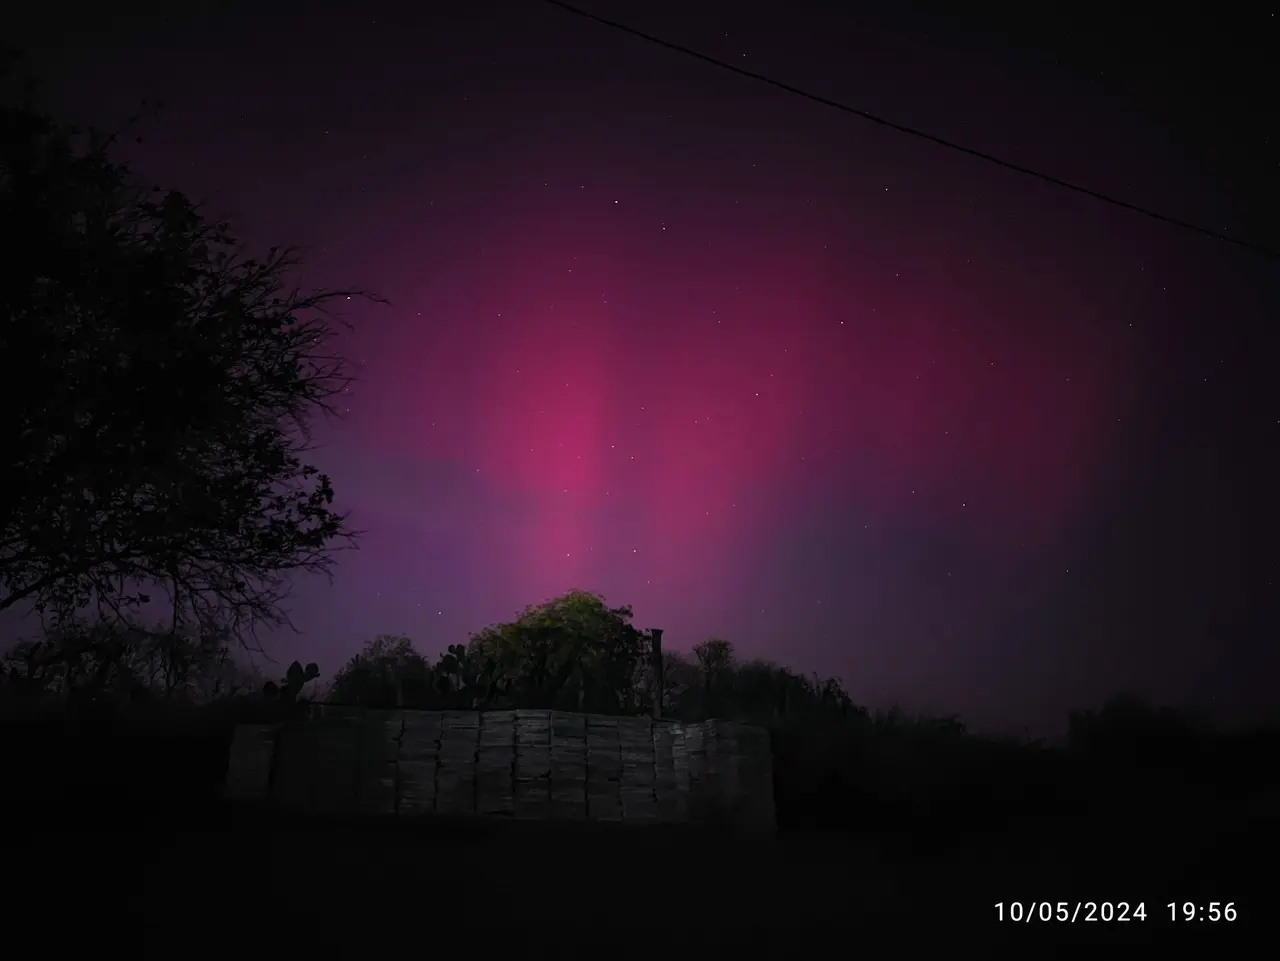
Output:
x=1111 y=912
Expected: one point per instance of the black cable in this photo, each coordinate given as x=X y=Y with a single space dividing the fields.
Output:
x=902 y=128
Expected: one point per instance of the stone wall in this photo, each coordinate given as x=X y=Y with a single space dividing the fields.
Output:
x=523 y=764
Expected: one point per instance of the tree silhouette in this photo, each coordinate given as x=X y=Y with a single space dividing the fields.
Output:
x=158 y=436
x=108 y=660
x=716 y=658
x=388 y=672
x=573 y=652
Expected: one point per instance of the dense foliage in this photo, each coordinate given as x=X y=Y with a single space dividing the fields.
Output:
x=836 y=764
x=155 y=447
x=575 y=652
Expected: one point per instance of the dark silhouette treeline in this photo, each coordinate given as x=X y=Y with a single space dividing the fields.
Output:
x=1136 y=801
x=101 y=706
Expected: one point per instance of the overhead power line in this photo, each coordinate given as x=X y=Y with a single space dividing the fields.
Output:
x=911 y=131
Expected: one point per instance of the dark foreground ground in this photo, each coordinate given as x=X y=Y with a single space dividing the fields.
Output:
x=113 y=841
x=167 y=883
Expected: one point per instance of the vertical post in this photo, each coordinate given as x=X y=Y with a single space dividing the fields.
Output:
x=655 y=670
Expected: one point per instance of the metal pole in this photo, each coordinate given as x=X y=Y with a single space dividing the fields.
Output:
x=655 y=669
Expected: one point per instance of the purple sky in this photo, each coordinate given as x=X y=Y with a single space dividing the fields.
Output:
x=758 y=368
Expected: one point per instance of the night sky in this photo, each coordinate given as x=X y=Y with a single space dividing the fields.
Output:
x=759 y=368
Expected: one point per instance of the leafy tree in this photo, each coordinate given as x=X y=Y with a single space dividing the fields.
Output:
x=681 y=684
x=387 y=672
x=390 y=672
x=1131 y=729
x=572 y=652
x=716 y=684
x=764 y=690
x=157 y=439
x=108 y=659
x=716 y=657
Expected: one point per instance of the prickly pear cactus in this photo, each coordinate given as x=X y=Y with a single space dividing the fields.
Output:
x=291 y=685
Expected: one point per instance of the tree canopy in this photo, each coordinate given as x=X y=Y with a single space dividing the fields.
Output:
x=387 y=671
x=105 y=660
x=571 y=652
x=157 y=440
x=575 y=652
